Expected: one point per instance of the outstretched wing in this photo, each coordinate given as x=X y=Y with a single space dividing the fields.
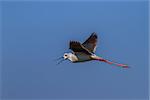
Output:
x=78 y=47
x=91 y=42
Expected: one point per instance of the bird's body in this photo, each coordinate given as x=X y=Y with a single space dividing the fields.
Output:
x=80 y=57
x=86 y=51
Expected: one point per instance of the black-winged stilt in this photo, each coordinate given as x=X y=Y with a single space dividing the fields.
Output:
x=86 y=52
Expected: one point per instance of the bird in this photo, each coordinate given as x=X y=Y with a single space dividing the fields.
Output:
x=82 y=52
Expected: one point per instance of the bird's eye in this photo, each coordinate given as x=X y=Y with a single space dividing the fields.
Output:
x=65 y=55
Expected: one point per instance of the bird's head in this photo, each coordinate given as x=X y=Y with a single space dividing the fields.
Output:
x=63 y=58
x=66 y=56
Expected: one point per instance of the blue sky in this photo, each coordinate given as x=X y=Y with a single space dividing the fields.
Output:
x=36 y=33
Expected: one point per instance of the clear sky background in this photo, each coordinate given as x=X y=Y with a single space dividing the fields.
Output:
x=36 y=33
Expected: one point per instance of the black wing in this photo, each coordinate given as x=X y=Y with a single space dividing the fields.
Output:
x=91 y=42
x=78 y=47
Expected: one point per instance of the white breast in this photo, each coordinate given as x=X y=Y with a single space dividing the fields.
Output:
x=73 y=58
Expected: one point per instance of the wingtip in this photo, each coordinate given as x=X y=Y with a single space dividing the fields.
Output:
x=94 y=34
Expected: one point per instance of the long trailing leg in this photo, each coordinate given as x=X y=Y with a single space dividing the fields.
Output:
x=114 y=63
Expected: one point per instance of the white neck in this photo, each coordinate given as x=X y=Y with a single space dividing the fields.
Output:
x=72 y=57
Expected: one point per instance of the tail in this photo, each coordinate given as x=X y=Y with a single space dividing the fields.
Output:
x=113 y=63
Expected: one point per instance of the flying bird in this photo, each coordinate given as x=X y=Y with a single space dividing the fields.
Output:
x=86 y=52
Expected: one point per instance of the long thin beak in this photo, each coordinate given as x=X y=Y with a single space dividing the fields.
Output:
x=59 y=58
x=61 y=61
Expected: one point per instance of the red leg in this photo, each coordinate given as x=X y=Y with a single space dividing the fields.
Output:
x=109 y=62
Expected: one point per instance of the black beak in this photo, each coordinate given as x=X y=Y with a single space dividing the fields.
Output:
x=61 y=60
